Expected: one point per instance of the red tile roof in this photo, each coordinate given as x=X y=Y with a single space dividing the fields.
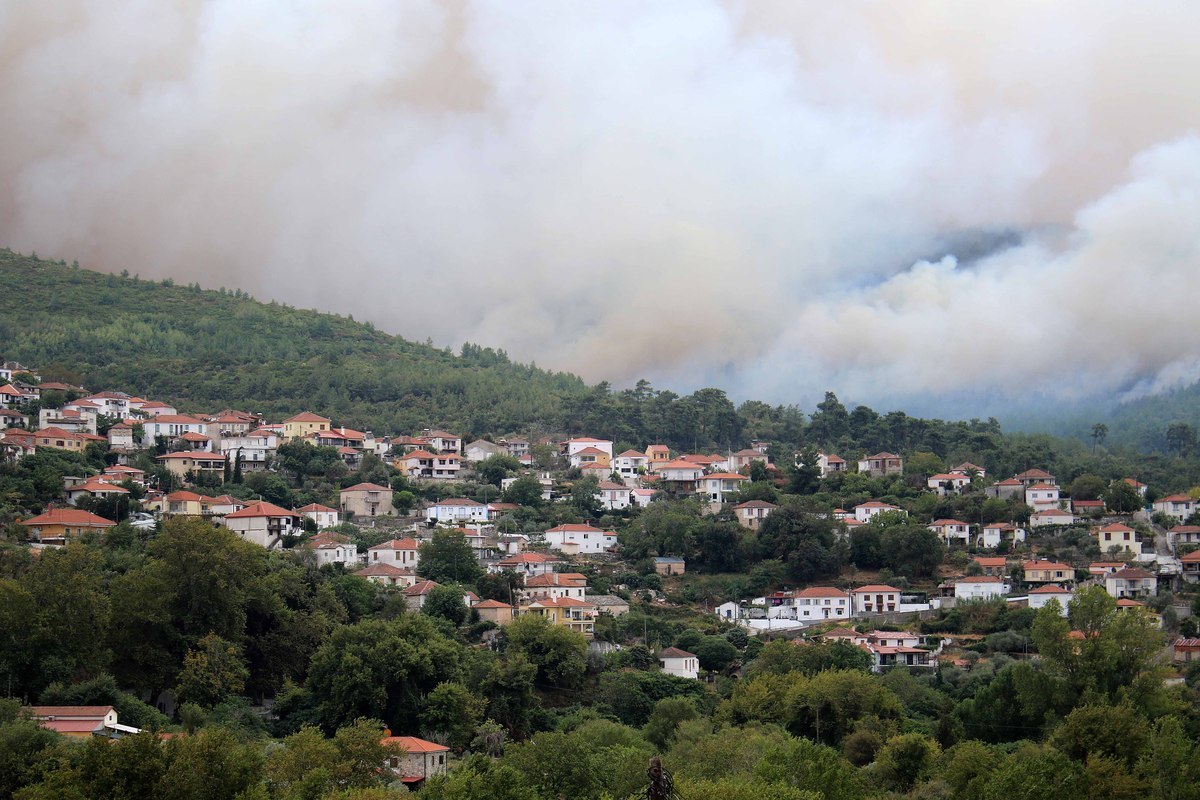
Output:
x=411 y=744
x=263 y=509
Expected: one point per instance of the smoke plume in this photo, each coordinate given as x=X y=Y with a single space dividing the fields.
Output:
x=775 y=197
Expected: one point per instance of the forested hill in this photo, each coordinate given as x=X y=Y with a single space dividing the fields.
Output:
x=207 y=350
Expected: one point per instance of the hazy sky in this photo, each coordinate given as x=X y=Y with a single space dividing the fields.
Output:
x=887 y=199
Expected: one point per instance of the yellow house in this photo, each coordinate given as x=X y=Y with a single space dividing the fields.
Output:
x=577 y=615
x=494 y=611
x=195 y=461
x=304 y=424
x=60 y=439
x=65 y=523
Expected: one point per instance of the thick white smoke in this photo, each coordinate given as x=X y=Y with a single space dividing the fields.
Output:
x=692 y=191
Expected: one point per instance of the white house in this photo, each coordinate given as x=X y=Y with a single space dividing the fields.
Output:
x=980 y=587
x=1131 y=582
x=255 y=449
x=1183 y=534
x=323 y=516
x=171 y=426
x=113 y=404
x=864 y=512
x=680 y=475
x=952 y=531
x=572 y=447
x=579 y=539
x=719 y=485
x=614 y=496
x=829 y=463
x=401 y=553
x=967 y=468
x=1179 y=506
x=332 y=548
x=1042 y=595
x=679 y=663
x=641 y=497
x=946 y=483
x=442 y=441
x=556 y=584
x=482 y=449
x=265 y=524
x=742 y=459
x=821 y=602
x=631 y=463
x=457 y=510
x=1041 y=495
x=996 y=532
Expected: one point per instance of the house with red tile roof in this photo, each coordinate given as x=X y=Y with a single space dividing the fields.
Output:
x=881 y=465
x=305 y=424
x=994 y=533
x=398 y=552
x=1178 y=506
x=1038 y=571
x=456 y=511
x=527 y=564
x=1032 y=477
x=614 y=496
x=57 y=525
x=388 y=575
x=576 y=539
x=864 y=512
x=496 y=612
x=1043 y=594
x=93 y=487
x=367 y=500
x=875 y=599
x=1131 y=582
x=264 y=524
x=80 y=722
x=752 y=513
x=415 y=760
x=1118 y=538
x=330 y=547
x=323 y=516
x=716 y=487
x=181 y=463
x=952 y=531
x=947 y=483
x=556 y=584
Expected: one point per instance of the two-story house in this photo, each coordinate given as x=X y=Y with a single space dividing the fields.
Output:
x=367 y=500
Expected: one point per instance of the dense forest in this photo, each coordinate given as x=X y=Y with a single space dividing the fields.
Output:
x=536 y=715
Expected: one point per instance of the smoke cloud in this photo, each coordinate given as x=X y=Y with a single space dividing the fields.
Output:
x=775 y=197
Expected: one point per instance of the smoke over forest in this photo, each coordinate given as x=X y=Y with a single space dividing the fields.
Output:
x=772 y=197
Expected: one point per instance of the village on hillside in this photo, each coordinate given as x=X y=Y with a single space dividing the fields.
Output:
x=1146 y=547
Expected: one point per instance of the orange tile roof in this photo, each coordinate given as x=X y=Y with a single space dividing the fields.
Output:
x=262 y=509
x=411 y=744
x=69 y=516
x=306 y=416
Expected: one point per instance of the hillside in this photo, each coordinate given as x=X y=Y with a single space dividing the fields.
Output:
x=207 y=349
